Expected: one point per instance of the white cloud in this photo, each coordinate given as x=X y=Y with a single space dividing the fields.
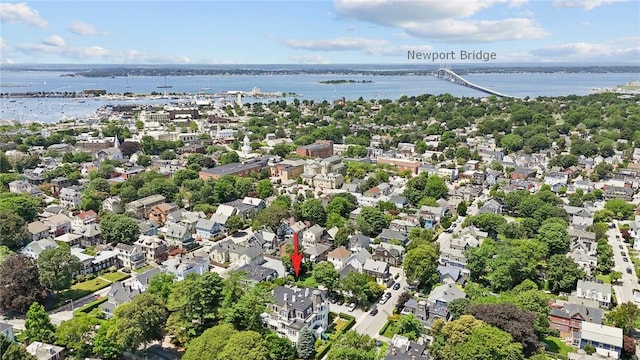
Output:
x=55 y=45
x=309 y=59
x=54 y=40
x=83 y=28
x=398 y=51
x=445 y=21
x=4 y=48
x=20 y=13
x=585 y=4
x=583 y=51
x=134 y=56
x=337 y=44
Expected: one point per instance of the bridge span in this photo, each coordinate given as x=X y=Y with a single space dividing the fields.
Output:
x=447 y=74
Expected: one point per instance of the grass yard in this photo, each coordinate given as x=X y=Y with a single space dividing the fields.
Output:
x=605 y=278
x=309 y=282
x=391 y=330
x=340 y=323
x=91 y=285
x=115 y=276
x=144 y=268
x=557 y=345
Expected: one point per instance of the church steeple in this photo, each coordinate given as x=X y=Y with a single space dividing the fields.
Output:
x=116 y=142
x=246 y=147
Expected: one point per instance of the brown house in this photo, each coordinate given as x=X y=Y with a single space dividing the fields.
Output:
x=523 y=173
x=159 y=212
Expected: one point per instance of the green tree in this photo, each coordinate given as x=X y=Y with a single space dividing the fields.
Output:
x=161 y=285
x=38 y=326
x=325 y=274
x=280 y=348
x=5 y=164
x=245 y=345
x=462 y=208
x=511 y=143
x=17 y=352
x=306 y=344
x=246 y=313
x=56 y=268
x=410 y=326
x=139 y=321
x=371 y=221
x=621 y=209
x=77 y=335
x=458 y=307
x=625 y=316
x=355 y=286
x=105 y=343
x=228 y=158
x=194 y=303
x=272 y=215
x=143 y=160
x=264 y=188
x=119 y=228
x=234 y=223
x=26 y=206
x=420 y=265
x=435 y=187
x=13 y=229
x=341 y=205
x=312 y=210
x=469 y=338
x=563 y=273
x=210 y=344
x=555 y=236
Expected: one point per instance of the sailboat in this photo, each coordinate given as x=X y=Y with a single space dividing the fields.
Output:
x=165 y=86
x=127 y=86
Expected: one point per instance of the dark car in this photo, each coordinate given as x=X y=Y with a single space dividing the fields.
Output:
x=625 y=259
x=621 y=247
x=387 y=295
x=373 y=311
x=396 y=286
x=629 y=271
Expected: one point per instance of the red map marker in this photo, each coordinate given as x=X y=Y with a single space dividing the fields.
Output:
x=296 y=259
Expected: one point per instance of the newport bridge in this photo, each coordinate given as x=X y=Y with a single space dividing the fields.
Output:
x=447 y=74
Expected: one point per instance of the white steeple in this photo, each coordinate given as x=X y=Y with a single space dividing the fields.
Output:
x=116 y=142
x=246 y=145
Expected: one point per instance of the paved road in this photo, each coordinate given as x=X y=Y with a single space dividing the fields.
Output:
x=625 y=286
x=370 y=325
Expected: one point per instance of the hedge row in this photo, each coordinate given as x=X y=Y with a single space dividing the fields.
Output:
x=90 y=306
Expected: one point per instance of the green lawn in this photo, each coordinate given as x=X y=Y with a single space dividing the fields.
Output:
x=391 y=330
x=340 y=323
x=91 y=285
x=144 y=268
x=556 y=345
x=605 y=278
x=309 y=282
x=115 y=276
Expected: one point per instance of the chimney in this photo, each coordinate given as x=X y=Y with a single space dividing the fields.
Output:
x=286 y=297
x=293 y=298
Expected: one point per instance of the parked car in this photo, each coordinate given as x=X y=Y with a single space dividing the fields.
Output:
x=396 y=286
x=387 y=295
x=621 y=247
x=351 y=307
x=629 y=270
x=374 y=311
x=383 y=300
x=408 y=287
x=625 y=259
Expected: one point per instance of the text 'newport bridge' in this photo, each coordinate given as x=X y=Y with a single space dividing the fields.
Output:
x=447 y=74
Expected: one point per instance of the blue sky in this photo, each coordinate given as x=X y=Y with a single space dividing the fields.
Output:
x=317 y=32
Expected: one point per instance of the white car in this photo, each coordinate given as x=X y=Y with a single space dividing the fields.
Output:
x=351 y=307
x=383 y=300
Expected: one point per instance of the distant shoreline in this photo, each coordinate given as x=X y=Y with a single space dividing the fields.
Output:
x=115 y=71
x=344 y=81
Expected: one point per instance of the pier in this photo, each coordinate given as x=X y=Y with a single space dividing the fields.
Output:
x=447 y=74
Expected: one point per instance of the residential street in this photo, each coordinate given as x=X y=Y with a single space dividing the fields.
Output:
x=625 y=286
